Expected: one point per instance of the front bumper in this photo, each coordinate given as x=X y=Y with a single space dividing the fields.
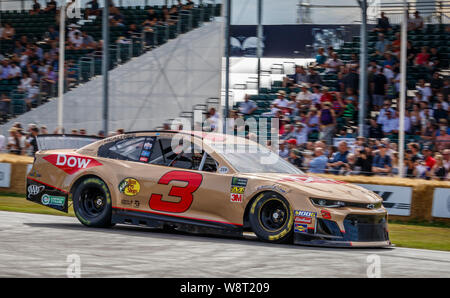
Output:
x=359 y=231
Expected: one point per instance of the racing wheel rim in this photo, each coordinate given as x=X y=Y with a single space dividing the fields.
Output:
x=93 y=201
x=273 y=215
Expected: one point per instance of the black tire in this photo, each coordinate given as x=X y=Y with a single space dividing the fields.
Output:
x=271 y=218
x=92 y=203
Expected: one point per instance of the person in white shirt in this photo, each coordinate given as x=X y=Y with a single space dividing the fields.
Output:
x=304 y=96
x=77 y=40
x=425 y=90
x=281 y=102
x=15 y=71
x=333 y=63
x=25 y=83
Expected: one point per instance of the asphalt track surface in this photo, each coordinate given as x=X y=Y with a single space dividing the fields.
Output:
x=33 y=245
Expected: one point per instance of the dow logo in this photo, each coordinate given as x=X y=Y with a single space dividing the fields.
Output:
x=73 y=9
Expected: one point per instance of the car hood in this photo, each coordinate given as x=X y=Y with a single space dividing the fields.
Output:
x=314 y=186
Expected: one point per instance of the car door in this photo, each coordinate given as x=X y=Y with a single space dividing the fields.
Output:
x=183 y=181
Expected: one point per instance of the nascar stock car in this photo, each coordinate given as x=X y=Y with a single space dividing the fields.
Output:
x=187 y=181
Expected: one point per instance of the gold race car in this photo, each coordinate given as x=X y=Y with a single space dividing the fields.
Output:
x=201 y=183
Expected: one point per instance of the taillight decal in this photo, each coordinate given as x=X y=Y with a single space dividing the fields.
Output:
x=71 y=163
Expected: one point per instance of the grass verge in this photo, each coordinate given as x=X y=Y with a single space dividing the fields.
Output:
x=414 y=235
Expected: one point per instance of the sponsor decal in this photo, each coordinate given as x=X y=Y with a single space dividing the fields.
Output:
x=309 y=179
x=148 y=146
x=53 y=200
x=299 y=228
x=34 y=189
x=145 y=153
x=223 y=170
x=144 y=159
x=237 y=189
x=126 y=202
x=129 y=187
x=303 y=219
x=271 y=187
x=71 y=163
x=34 y=173
x=396 y=199
x=136 y=204
x=235 y=181
x=236 y=197
x=305 y=213
x=325 y=214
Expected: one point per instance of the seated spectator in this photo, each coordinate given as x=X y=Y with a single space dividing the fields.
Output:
x=383 y=24
x=8 y=32
x=333 y=64
x=382 y=163
x=296 y=158
x=382 y=45
x=436 y=83
x=247 y=107
x=76 y=40
x=327 y=120
x=88 y=41
x=339 y=158
x=4 y=105
x=281 y=103
x=51 y=34
x=319 y=163
x=439 y=172
x=51 y=7
x=304 y=97
x=36 y=8
x=321 y=58
x=423 y=57
x=424 y=90
x=313 y=78
x=300 y=76
x=416 y=23
x=443 y=139
x=378 y=87
x=92 y=8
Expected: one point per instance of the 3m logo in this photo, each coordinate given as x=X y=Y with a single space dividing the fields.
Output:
x=71 y=163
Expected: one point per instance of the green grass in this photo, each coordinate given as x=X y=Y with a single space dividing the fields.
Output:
x=420 y=236
x=414 y=235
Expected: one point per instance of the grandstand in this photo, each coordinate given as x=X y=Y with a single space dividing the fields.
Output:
x=84 y=64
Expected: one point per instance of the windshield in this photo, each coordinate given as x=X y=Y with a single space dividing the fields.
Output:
x=254 y=158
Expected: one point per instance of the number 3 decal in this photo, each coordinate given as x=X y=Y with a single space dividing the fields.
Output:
x=184 y=193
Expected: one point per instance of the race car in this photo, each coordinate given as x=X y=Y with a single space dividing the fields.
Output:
x=201 y=183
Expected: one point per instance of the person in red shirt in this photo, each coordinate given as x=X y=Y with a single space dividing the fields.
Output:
x=423 y=57
x=327 y=96
x=429 y=160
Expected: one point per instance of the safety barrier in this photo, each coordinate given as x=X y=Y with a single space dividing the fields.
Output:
x=407 y=199
x=13 y=172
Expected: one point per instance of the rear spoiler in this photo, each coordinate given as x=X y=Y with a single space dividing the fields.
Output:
x=51 y=142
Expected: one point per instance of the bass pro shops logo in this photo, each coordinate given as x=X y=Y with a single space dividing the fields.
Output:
x=71 y=163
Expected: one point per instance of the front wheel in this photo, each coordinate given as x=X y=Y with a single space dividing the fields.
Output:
x=271 y=218
x=92 y=203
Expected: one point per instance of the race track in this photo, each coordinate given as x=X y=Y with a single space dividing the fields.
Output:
x=34 y=245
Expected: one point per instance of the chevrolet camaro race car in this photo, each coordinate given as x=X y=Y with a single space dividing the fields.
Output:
x=201 y=183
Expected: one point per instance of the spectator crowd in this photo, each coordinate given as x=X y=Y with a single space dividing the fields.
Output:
x=316 y=121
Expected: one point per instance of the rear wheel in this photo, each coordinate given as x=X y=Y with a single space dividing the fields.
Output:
x=271 y=218
x=92 y=202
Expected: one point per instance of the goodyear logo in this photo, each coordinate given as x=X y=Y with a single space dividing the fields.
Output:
x=305 y=213
x=129 y=187
x=237 y=189
x=300 y=228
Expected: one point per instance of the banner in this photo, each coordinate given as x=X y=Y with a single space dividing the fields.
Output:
x=5 y=174
x=441 y=203
x=396 y=199
x=289 y=41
